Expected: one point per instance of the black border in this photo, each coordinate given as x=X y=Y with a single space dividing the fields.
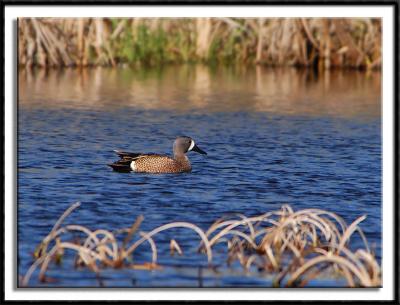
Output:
x=393 y=3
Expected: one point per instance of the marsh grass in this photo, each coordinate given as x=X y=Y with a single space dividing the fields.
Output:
x=318 y=42
x=294 y=247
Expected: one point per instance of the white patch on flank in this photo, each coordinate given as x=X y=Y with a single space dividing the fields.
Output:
x=191 y=146
x=133 y=166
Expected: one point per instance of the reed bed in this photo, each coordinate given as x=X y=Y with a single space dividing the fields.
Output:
x=304 y=42
x=294 y=247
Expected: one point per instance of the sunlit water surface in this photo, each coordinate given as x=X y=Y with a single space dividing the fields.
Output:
x=272 y=137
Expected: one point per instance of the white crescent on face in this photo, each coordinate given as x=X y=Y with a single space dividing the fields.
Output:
x=191 y=146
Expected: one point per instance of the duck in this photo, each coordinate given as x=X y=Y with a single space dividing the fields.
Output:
x=158 y=163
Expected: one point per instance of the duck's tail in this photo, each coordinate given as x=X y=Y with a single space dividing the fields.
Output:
x=122 y=166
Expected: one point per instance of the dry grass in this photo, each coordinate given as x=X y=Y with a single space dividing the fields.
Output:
x=294 y=246
x=318 y=42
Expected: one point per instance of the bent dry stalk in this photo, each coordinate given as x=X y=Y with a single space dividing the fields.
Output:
x=292 y=246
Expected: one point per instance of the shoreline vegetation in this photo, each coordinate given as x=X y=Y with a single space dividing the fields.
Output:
x=294 y=247
x=318 y=43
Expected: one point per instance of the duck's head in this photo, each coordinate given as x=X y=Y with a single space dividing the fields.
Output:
x=184 y=144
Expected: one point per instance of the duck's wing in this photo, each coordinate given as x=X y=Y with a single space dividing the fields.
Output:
x=133 y=156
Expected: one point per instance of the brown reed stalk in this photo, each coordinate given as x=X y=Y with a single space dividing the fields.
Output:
x=295 y=246
x=327 y=43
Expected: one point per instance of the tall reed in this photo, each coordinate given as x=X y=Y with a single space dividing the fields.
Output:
x=292 y=246
x=318 y=42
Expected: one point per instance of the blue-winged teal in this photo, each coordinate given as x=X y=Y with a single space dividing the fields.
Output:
x=155 y=163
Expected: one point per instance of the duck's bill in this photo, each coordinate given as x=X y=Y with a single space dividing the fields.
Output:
x=197 y=149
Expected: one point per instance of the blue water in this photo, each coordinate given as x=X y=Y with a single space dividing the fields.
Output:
x=257 y=160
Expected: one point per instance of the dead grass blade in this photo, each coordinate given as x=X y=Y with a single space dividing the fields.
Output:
x=295 y=245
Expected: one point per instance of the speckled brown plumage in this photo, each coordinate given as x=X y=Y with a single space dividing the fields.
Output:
x=151 y=163
x=161 y=164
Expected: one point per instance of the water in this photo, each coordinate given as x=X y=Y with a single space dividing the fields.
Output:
x=272 y=137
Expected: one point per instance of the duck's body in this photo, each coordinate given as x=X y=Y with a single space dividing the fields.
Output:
x=155 y=163
x=150 y=163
